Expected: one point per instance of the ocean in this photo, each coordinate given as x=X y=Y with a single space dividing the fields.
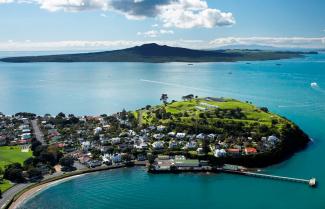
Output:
x=284 y=86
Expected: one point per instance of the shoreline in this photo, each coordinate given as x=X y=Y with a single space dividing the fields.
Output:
x=28 y=192
x=24 y=197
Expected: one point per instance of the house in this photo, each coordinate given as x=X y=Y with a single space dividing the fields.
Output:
x=115 y=140
x=158 y=145
x=181 y=161
x=200 y=136
x=97 y=130
x=85 y=146
x=200 y=151
x=94 y=163
x=191 y=145
x=220 y=153
x=158 y=136
x=116 y=158
x=233 y=151
x=160 y=128
x=173 y=144
x=272 y=140
x=250 y=150
x=180 y=135
x=171 y=134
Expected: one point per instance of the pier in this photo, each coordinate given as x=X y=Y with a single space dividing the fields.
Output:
x=311 y=182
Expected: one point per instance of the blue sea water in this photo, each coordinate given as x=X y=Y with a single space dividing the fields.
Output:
x=96 y=88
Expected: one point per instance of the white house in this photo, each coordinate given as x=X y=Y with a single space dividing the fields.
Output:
x=116 y=140
x=85 y=145
x=171 y=134
x=220 y=153
x=158 y=145
x=180 y=135
x=272 y=139
x=97 y=130
x=160 y=128
x=200 y=136
x=158 y=136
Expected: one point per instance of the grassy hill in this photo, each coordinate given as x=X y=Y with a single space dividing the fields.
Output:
x=236 y=124
x=154 y=53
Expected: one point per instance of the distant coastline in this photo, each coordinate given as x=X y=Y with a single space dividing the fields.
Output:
x=154 y=53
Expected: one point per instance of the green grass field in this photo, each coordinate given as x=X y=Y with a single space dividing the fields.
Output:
x=5 y=185
x=251 y=112
x=12 y=154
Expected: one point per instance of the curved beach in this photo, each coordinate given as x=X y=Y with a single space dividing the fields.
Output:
x=36 y=189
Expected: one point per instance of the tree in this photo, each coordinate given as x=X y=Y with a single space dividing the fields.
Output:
x=67 y=161
x=14 y=173
x=164 y=98
x=61 y=115
x=188 y=97
x=265 y=109
x=34 y=173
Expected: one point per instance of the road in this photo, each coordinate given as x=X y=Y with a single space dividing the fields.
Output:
x=38 y=133
x=10 y=193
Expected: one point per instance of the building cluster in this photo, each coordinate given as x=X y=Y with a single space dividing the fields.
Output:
x=15 y=130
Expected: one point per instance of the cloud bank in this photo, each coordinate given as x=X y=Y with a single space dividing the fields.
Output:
x=286 y=42
x=173 y=13
x=291 y=42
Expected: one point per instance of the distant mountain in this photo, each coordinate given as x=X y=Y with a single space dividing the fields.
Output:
x=251 y=47
x=154 y=53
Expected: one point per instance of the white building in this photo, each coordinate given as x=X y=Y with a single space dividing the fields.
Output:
x=180 y=135
x=85 y=145
x=160 y=128
x=220 y=153
x=158 y=145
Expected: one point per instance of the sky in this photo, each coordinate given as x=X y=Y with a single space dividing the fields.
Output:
x=110 y=24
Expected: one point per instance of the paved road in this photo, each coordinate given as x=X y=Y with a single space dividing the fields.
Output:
x=10 y=193
x=38 y=133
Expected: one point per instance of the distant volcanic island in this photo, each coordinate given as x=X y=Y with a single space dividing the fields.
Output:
x=154 y=53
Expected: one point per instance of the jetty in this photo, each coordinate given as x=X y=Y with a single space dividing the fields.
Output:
x=237 y=170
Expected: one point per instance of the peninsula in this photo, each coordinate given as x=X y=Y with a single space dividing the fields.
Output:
x=154 y=53
x=193 y=135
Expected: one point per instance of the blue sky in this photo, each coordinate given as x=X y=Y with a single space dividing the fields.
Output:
x=101 y=24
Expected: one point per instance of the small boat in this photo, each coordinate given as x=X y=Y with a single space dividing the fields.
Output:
x=278 y=64
x=189 y=64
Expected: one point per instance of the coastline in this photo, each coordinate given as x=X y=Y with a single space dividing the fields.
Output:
x=38 y=189
x=30 y=191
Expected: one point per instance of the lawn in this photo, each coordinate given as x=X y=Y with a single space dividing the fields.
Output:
x=5 y=185
x=12 y=154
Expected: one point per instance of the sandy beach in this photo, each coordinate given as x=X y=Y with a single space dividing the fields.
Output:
x=28 y=194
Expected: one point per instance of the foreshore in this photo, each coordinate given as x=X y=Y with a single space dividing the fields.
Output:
x=28 y=192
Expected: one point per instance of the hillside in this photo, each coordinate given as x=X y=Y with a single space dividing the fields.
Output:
x=154 y=53
x=236 y=125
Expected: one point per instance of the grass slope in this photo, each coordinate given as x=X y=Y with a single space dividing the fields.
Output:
x=12 y=154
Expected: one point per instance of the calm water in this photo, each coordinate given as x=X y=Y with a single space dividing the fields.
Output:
x=95 y=88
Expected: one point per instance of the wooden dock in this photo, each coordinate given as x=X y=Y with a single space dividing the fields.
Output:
x=311 y=182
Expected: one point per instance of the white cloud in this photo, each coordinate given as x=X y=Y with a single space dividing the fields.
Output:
x=72 y=5
x=5 y=1
x=193 y=13
x=299 y=42
x=173 y=13
x=155 y=25
x=155 y=33
x=89 y=45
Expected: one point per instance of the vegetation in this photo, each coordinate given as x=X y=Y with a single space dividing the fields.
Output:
x=12 y=154
x=156 y=54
